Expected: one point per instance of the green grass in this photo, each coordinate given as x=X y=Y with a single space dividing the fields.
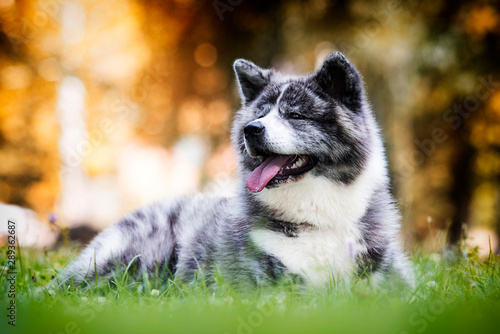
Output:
x=459 y=296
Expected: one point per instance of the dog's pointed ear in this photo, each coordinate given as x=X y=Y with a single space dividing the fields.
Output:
x=251 y=79
x=341 y=80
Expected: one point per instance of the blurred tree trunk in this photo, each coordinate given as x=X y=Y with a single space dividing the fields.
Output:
x=497 y=226
x=461 y=191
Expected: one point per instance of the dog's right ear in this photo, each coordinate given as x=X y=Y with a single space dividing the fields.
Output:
x=251 y=79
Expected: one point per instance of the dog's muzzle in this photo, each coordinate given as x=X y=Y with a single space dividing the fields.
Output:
x=254 y=130
x=254 y=137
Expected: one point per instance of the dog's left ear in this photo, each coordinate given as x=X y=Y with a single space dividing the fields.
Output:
x=341 y=80
x=251 y=79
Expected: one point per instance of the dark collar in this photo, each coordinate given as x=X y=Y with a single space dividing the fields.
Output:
x=291 y=230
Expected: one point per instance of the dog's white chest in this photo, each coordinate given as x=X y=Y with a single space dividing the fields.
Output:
x=320 y=256
x=328 y=251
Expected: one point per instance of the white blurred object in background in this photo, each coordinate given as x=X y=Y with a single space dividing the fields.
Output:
x=482 y=237
x=29 y=231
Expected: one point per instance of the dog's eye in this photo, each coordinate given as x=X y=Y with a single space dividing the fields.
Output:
x=295 y=115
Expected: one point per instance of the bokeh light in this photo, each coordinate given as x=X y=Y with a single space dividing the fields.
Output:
x=108 y=105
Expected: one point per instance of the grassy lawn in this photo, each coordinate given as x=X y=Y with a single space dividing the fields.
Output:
x=454 y=296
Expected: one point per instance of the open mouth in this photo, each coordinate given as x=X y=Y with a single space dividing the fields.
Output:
x=279 y=169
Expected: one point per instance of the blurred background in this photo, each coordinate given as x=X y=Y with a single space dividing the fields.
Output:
x=108 y=105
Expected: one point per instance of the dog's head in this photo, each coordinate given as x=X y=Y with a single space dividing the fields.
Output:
x=289 y=126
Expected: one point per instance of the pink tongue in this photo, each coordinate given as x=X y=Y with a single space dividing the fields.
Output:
x=261 y=176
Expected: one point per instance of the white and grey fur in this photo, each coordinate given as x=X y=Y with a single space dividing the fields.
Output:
x=335 y=222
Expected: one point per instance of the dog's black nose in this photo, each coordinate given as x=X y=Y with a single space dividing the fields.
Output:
x=254 y=129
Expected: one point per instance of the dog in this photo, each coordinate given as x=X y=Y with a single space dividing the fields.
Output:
x=314 y=200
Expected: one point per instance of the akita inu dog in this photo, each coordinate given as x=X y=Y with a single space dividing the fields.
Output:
x=314 y=198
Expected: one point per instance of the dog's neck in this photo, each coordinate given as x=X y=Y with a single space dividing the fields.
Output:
x=291 y=230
